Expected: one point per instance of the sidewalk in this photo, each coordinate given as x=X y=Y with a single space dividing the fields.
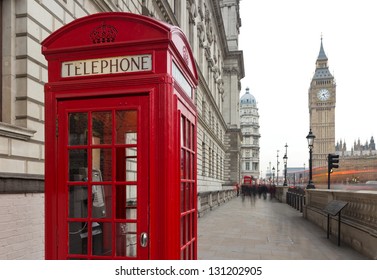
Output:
x=248 y=229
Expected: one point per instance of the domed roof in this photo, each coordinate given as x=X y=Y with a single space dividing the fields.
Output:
x=248 y=99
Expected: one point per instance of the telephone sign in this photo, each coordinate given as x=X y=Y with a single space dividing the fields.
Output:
x=111 y=65
x=119 y=114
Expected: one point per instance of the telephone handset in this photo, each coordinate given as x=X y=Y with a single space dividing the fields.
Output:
x=98 y=193
x=78 y=209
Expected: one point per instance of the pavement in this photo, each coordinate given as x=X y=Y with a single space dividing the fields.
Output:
x=258 y=229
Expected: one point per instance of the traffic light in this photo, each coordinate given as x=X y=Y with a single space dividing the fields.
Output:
x=333 y=161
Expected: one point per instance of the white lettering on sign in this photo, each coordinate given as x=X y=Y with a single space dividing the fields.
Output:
x=108 y=65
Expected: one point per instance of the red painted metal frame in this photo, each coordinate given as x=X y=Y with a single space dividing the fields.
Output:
x=188 y=180
x=167 y=100
x=138 y=103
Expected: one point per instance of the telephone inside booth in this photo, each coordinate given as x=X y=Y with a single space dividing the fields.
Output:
x=78 y=208
x=79 y=196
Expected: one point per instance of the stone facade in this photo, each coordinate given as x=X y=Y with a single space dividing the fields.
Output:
x=212 y=28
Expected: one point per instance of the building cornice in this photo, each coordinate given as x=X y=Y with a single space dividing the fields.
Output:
x=237 y=55
x=16 y=132
x=167 y=12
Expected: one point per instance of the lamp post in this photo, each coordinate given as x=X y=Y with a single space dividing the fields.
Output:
x=285 y=159
x=310 y=139
x=277 y=168
x=273 y=175
x=303 y=179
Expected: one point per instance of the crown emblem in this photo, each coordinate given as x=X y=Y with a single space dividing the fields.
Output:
x=185 y=55
x=104 y=33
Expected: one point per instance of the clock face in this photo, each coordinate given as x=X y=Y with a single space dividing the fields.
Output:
x=323 y=94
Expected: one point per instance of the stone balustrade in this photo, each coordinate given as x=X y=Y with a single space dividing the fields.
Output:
x=281 y=193
x=211 y=199
x=358 y=218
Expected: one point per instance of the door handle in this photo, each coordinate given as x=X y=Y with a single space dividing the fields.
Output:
x=144 y=239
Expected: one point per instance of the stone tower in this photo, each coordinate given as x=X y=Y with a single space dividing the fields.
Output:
x=249 y=118
x=322 y=99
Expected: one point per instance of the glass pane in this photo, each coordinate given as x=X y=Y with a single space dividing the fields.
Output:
x=192 y=165
x=187 y=227
x=182 y=231
x=182 y=163
x=126 y=243
x=187 y=196
x=120 y=168
x=188 y=135
x=131 y=168
x=102 y=164
x=132 y=195
x=102 y=128
x=78 y=165
x=182 y=131
x=182 y=197
x=77 y=128
x=192 y=197
x=192 y=136
x=131 y=213
x=126 y=164
x=101 y=239
x=78 y=237
x=126 y=127
x=131 y=138
x=78 y=202
x=188 y=165
x=102 y=198
x=126 y=204
x=131 y=152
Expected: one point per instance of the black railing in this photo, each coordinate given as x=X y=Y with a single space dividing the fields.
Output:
x=296 y=198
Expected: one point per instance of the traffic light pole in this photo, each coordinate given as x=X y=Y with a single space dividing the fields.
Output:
x=333 y=161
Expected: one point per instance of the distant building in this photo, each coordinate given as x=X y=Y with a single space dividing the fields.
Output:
x=249 y=118
x=357 y=148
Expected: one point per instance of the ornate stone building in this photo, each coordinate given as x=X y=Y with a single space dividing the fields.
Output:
x=357 y=147
x=322 y=99
x=358 y=163
x=212 y=27
x=249 y=118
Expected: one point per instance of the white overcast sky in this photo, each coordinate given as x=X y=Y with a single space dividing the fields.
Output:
x=280 y=42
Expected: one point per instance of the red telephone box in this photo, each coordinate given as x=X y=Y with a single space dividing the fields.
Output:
x=120 y=176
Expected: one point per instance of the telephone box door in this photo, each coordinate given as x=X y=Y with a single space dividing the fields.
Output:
x=103 y=178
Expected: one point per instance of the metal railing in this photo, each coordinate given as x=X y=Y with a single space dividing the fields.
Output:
x=295 y=197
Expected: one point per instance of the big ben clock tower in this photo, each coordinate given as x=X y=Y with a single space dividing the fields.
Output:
x=322 y=98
